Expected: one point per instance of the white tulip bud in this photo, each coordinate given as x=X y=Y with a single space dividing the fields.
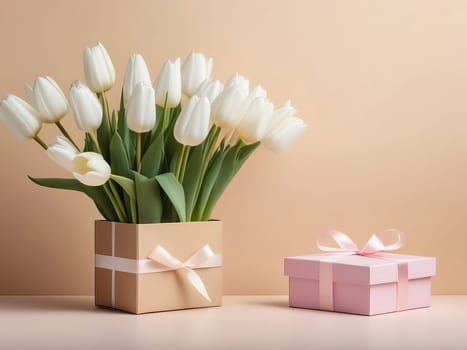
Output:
x=141 y=110
x=91 y=169
x=228 y=106
x=211 y=89
x=285 y=134
x=255 y=123
x=136 y=72
x=192 y=125
x=257 y=91
x=239 y=81
x=86 y=107
x=49 y=100
x=62 y=152
x=195 y=70
x=98 y=68
x=169 y=84
x=19 y=117
x=281 y=114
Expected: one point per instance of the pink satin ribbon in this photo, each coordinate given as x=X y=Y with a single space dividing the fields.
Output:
x=187 y=269
x=374 y=245
x=371 y=249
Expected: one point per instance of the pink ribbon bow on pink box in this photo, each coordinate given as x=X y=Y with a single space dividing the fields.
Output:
x=364 y=281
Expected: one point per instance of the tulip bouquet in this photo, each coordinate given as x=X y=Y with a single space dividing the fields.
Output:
x=169 y=151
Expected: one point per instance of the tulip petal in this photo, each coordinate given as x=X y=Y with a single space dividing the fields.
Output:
x=86 y=108
x=169 y=84
x=254 y=124
x=49 y=100
x=227 y=107
x=19 y=117
x=284 y=135
x=141 y=110
x=195 y=70
x=98 y=68
x=91 y=169
x=62 y=152
x=136 y=72
x=192 y=125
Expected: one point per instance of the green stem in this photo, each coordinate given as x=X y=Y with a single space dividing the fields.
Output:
x=210 y=149
x=213 y=145
x=164 y=115
x=66 y=134
x=184 y=163
x=40 y=142
x=232 y=138
x=178 y=166
x=95 y=140
x=138 y=152
x=105 y=107
x=228 y=137
x=117 y=198
x=114 y=204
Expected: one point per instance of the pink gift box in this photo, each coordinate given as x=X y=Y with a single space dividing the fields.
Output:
x=357 y=284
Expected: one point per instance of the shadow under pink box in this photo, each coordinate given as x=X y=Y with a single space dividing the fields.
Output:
x=365 y=285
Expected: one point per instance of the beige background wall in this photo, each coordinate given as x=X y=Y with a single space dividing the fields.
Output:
x=382 y=84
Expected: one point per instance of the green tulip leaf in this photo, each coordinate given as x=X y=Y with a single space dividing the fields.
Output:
x=174 y=191
x=148 y=198
x=118 y=157
x=97 y=194
x=224 y=177
x=208 y=183
x=172 y=147
x=234 y=159
x=113 y=125
x=243 y=154
x=104 y=132
x=127 y=137
x=157 y=130
x=89 y=144
x=128 y=185
x=193 y=177
x=152 y=158
x=173 y=161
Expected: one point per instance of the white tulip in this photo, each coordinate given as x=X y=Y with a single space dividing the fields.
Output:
x=285 y=134
x=195 y=70
x=49 y=100
x=257 y=91
x=255 y=123
x=169 y=84
x=86 y=107
x=91 y=169
x=239 y=81
x=228 y=106
x=211 y=89
x=62 y=152
x=141 y=110
x=281 y=114
x=19 y=117
x=136 y=72
x=98 y=68
x=192 y=125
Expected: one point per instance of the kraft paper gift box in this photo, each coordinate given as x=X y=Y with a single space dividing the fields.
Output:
x=367 y=284
x=144 y=268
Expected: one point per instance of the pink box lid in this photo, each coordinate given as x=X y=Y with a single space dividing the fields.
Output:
x=357 y=269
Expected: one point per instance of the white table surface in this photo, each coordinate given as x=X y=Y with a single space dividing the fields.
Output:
x=243 y=322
